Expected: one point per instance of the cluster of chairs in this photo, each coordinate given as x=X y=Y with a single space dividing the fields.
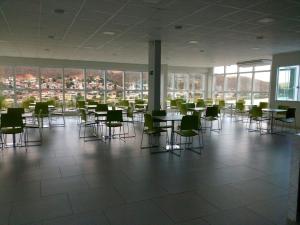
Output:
x=101 y=118
x=19 y=123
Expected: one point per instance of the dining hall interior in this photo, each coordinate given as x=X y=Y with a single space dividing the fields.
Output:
x=149 y=112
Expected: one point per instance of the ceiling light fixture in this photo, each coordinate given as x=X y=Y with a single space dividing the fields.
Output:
x=193 y=42
x=59 y=11
x=266 y=20
x=47 y=50
x=201 y=50
x=51 y=36
x=255 y=48
x=109 y=33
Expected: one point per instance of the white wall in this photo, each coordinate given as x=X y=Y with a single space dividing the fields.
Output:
x=284 y=59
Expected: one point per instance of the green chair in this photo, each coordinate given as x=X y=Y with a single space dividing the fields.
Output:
x=139 y=101
x=12 y=124
x=239 y=110
x=256 y=114
x=200 y=103
x=190 y=127
x=123 y=103
x=151 y=131
x=190 y=106
x=263 y=105
x=86 y=122
x=56 y=114
x=114 y=120
x=130 y=120
x=41 y=111
x=208 y=102
x=173 y=104
x=80 y=104
x=212 y=114
x=183 y=109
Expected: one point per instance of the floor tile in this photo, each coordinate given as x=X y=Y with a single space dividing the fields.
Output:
x=140 y=213
x=185 y=206
x=46 y=208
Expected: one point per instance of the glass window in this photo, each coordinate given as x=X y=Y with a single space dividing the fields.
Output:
x=51 y=78
x=181 y=86
x=52 y=94
x=171 y=82
x=145 y=81
x=6 y=77
x=230 y=82
x=145 y=95
x=219 y=70
x=262 y=68
x=133 y=81
x=260 y=97
x=243 y=69
x=288 y=83
x=219 y=83
x=95 y=95
x=245 y=82
x=231 y=69
x=95 y=80
x=71 y=96
x=114 y=80
x=131 y=95
x=27 y=77
x=230 y=97
x=22 y=94
x=246 y=97
x=74 y=79
x=261 y=82
x=9 y=96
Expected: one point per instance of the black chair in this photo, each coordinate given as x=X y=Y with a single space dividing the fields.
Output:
x=290 y=118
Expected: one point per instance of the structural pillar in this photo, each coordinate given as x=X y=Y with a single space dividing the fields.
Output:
x=154 y=68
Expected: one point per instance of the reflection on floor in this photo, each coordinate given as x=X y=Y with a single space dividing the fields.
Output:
x=240 y=179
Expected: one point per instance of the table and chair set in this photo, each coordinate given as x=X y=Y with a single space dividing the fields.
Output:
x=20 y=123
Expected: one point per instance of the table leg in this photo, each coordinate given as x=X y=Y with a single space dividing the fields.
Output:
x=14 y=140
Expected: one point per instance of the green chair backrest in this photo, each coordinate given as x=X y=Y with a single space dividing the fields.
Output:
x=189 y=122
x=139 y=101
x=114 y=116
x=221 y=103
x=212 y=111
x=255 y=112
x=159 y=113
x=263 y=105
x=16 y=111
x=190 y=105
x=41 y=108
x=130 y=112
x=102 y=108
x=11 y=120
x=240 y=106
x=148 y=121
x=80 y=104
x=83 y=115
x=123 y=103
x=173 y=103
x=183 y=109
x=200 y=103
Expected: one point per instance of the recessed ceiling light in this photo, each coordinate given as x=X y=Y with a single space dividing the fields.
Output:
x=255 y=48
x=109 y=33
x=266 y=20
x=193 y=42
x=59 y=11
x=47 y=49
x=201 y=50
x=51 y=36
x=178 y=27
